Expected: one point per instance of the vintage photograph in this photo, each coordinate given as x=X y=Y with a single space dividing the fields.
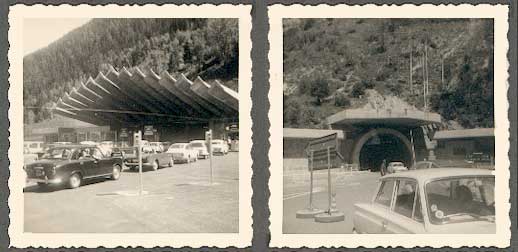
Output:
x=132 y=125
x=388 y=126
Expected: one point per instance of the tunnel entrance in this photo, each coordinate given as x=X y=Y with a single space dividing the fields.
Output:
x=381 y=147
x=379 y=144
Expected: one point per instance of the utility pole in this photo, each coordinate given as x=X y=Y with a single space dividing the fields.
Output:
x=411 y=83
x=424 y=81
x=442 y=71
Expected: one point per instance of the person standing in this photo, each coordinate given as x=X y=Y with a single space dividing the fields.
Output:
x=383 y=168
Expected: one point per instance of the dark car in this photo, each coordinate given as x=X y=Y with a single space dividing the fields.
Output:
x=70 y=165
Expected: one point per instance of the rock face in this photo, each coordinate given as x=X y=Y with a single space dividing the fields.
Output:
x=377 y=101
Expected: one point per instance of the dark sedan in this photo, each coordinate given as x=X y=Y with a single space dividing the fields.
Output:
x=70 y=165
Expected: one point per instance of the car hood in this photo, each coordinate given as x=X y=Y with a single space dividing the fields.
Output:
x=472 y=227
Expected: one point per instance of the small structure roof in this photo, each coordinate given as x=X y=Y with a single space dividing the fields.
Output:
x=396 y=117
x=464 y=133
x=310 y=133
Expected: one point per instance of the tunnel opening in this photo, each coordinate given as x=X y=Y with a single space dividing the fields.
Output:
x=381 y=147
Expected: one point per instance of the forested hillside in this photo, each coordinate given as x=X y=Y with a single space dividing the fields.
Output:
x=195 y=47
x=330 y=63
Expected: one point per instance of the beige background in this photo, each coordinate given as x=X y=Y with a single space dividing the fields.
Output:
x=16 y=181
x=500 y=14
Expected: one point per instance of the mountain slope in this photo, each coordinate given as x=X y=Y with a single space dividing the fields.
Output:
x=195 y=47
x=329 y=63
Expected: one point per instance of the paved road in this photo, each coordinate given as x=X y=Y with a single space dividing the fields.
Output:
x=350 y=189
x=179 y=199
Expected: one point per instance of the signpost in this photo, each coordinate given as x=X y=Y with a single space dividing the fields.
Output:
x=322 y=152
x=148 y=130
x=137 y=137
x=208 y=139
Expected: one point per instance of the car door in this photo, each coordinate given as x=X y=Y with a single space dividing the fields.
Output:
x=104 y=163
x=87 y=163
x=370 y=218
x=406 y=213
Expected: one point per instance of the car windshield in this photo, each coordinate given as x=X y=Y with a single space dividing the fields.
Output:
x=196 y=144
x=177 y=146
x=461 y=199
x=58 y=153
x=397 y=164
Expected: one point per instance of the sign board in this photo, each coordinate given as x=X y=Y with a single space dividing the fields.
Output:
x=123 y=133
x=148 y=130
x=136 y=138
x=233 y=128
x=324 y=152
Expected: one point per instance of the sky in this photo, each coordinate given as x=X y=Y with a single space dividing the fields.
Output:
x=40 y=32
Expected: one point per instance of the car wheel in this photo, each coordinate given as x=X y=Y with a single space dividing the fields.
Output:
x=116 y=172
x=74 y=181
x=354 y=231
x=171 y=162
x=155 y=166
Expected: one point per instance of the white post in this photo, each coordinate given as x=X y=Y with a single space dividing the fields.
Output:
x=141 y=186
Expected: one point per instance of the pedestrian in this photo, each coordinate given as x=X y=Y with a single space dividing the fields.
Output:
x=383 y=168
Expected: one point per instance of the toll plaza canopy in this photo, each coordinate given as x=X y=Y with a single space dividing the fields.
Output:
x=137 y=97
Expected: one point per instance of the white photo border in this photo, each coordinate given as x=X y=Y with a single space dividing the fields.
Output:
x=18 y=238
x=499 y=13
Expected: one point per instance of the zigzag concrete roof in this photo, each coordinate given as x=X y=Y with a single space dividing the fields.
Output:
x=140 y=96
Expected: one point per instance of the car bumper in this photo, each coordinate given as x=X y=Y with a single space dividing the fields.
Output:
x=46 y=180
x=144 y=165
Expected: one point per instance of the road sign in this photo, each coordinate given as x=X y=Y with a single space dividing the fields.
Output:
x=124 y=132
x=148 y=130
x=321 y=148
x=323 y=152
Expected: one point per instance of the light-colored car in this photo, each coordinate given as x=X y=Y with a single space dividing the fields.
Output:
x=394 y=167
x=182 y=152
x=425 y=165
x=158 y=146
x=200 y=146
x=219 y=147
x=439 y=201
x=29 y=157
x=34 y=147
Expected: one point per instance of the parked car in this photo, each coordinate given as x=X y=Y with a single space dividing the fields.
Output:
x=182 y=152
x=200 y=146
x=425 y=165
x=157 y=146
x=34 y=147
x=394 y=167
x=29 y=157
x=72 y=164
x=439 y=201
x=152 y=158
x=219 y=146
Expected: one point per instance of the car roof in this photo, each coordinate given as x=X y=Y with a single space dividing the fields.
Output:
x=73 y=145
x=436 y=173
x=197 y=141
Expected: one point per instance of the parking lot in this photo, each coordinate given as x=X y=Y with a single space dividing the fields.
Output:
x=350 y=189
x=178 y=200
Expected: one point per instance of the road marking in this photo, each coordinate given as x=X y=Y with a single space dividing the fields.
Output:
x=296 y=195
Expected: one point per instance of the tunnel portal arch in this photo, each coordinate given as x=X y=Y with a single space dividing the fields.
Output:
x=369 y=150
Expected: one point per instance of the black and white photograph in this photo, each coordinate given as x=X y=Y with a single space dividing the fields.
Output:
x=388 y=126
x=132 y=125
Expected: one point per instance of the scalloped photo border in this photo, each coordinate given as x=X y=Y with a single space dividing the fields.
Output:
x=20 y=239
x=499 y=13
